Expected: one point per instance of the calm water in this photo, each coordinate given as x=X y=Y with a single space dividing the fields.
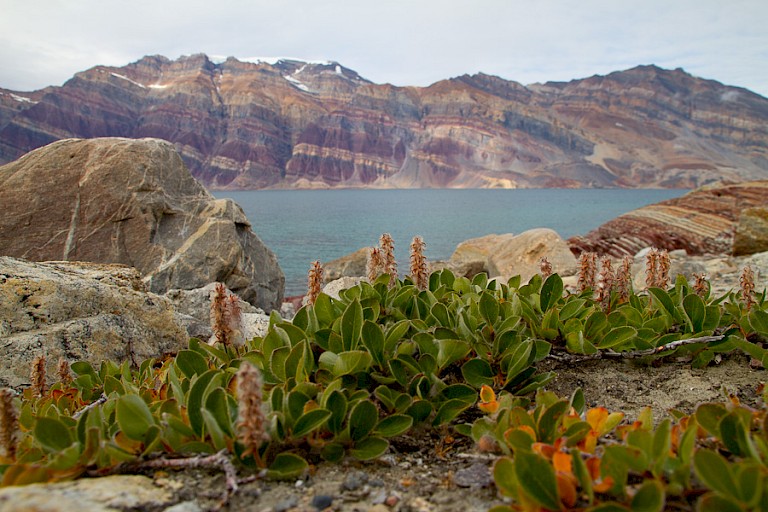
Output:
x=301 y=226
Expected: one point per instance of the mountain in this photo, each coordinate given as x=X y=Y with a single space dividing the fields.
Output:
x=287 y=123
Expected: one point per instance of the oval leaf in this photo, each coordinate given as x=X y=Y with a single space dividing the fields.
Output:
x=52 y=434
x=393 y=425
x=536 y=477
x=310 y=421
x=133 y=416
x=369 y=448
x=362 y=419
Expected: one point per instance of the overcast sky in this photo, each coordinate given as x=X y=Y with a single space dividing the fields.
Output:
x=404 y=42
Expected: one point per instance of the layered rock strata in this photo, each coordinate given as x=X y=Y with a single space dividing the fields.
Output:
x=135 y=203
x=286 y=123
x=701 y=222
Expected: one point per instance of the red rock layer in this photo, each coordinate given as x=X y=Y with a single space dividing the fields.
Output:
x=700 y=222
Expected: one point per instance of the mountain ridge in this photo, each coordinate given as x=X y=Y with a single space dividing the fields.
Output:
x=285 y=123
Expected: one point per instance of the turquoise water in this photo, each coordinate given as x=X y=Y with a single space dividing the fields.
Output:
x=302 y=226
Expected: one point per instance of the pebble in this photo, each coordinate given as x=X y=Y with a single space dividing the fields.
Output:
x=322 y=501
x=286 y=504
x=354 y=481
x=476 y=475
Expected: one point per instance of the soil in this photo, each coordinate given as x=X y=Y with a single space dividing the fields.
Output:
x=431 y=471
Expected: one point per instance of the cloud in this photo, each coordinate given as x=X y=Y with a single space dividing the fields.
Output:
x=404 y=42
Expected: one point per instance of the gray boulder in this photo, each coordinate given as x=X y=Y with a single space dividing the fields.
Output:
x=132 y=202
x=79 y=311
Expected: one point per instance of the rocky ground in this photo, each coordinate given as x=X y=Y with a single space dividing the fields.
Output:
x=423 y=471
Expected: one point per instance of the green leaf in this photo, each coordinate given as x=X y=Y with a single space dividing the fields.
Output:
x=350 y=362
x=477 y=372
x=450 y=351
x=324 y=310
x=517 y=360
x=351 y=325
x=758 y=319
x=362 y=419
x=393 y=425
x=734 y=433
x=440 y=312
x=419 y=410
x=133 y=416
x=310 y=421
x=337 y=404
x=212 y=429
x=581 y=472
x=649 y=497
x=578 y=344
x=191 y=363
x=217 y=403
x=332 y=452
x=449 y=410
x=536 y=477
x=504 y=476
x=489 y=307
x=713 y=470
x=715 y=503
x=696 y=311
x=369 y=448
x=617 y=336
x=663 y=298
x=286 y=466
x=195 y=400
x=551 y=292
x=709 y=416
x=373 y=340
x=52 y=434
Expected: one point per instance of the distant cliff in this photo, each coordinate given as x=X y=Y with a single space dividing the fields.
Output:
x=286 y=123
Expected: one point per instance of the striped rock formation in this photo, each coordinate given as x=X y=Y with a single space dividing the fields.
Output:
x=701 y=222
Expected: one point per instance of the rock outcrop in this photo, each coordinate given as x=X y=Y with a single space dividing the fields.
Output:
x=701 y=222
x=285 y=123
x=79 y=311
x=350 y=265
x=132 y=202
x=508 y=255
x=751 y=231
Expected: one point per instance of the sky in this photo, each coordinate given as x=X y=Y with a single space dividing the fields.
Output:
x=403 y=42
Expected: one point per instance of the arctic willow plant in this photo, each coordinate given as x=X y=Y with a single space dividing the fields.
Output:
x=349 y=373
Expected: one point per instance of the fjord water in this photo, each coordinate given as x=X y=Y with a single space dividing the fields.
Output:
x=302 y=226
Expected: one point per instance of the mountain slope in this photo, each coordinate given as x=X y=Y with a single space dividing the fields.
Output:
x=286 y=123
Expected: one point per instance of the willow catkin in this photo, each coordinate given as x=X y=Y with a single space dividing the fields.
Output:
x=314 y=282
x=9 y=423
x=251 y=421
x=387 y=247
x=624 y=279
x=545 y=267
x=37 y=376
x=219 y=323
x=587 y=271
x=419 y=271
x=375 y=265
x=747 y=285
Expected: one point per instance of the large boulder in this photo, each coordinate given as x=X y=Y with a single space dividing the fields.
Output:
x=509 y=255
x=473 y=256
x=522 y=255
x=751 y=232
x=351 y=265
x=132 y=202
x=79 y=311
